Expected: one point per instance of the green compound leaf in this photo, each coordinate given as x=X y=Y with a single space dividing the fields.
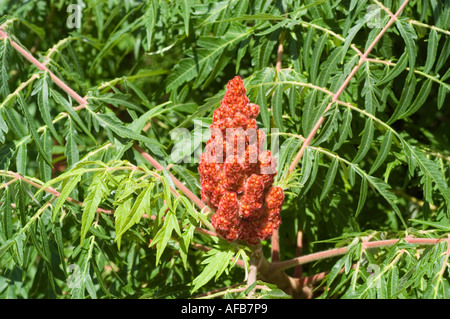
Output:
x=112 y=122
x=128 y=217
x=215 y=266
x=329 y=178
x=96 y=193
x=33 y=130
x=164 y=234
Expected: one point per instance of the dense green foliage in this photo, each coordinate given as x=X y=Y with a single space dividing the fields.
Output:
x=378 y=167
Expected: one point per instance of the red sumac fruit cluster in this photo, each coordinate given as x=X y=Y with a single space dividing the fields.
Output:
x=236 y=174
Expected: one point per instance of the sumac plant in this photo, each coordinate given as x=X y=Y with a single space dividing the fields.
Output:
x=117 y=179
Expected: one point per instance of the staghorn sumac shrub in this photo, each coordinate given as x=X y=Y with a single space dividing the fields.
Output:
x=351 y=98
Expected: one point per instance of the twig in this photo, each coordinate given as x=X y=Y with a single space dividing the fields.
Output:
x=341 y=251
x=54 y=191
x=335 y=96
x=255 y=259
x=298 y=272
x=17 y=176
x=177 y=183
x=390 y=63
x=43 y=67
x=83 y=102
x=382 y=6
x=222 y=291
x=432 y=27
x=34 y=76
x=280 y=50
x=275 y=248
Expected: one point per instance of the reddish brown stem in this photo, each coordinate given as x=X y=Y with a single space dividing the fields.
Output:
x=77 y=202
x=56 y=193
x=43 y=67
x=298 y=270
x=280 y=51
x=83 y=102
x=341 y=251
x=275 y=249
x=177 y=183
x=335 y=96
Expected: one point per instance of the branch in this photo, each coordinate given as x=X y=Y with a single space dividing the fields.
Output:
x=253 y=267
x=43 y=67
x=335 y=96
x=290 y=285
x=222 y=291
x=17 y=176
x=280 y=51
x=277 y=267
x=177 y=183
x=83 y=102
x=432 y=27
x=275 y=248
x=53 y=191
x=298 y=269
